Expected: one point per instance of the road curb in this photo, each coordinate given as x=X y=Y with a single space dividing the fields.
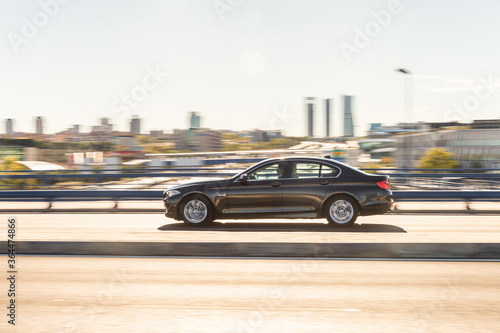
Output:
x=231 y=249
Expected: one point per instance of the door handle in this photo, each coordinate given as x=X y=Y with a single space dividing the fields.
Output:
x=275 y=184
x=324 y=182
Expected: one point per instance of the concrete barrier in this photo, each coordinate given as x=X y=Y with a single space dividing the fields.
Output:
x=231 y=249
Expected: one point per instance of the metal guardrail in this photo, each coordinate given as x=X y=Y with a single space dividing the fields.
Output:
x=100 y=176
x=446 y=195
x=52 y=196
x=119 y=195
x=411 y=170
x=120 y=170
x=445 y=175
x=31 y=179
x=156 y=177
x=116 y=196
x=79 y=195
x=197 y=168
x=215 y=172
x=92 y=175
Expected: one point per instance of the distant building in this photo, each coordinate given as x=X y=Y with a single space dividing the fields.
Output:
x=310 y=103
x=156 y=134
x=378 y=148
x=328 y=103
x=135 y=125
x=348 y=117
x=265 y=135
x=39 y=125
x=197 y=139
x=101 y=133
x=105 y=126
x=485 y=123
x=194 y=120
x=75 y=129
x=70 y=135
x=379 y=130
x=9 y=127
x=123 y=139
x=472 y=148
x=375 y=127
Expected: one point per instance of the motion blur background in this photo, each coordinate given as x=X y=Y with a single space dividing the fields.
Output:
x=105 y=104
x=126 y=78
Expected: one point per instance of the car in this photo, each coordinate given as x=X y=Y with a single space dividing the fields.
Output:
x=286 y=187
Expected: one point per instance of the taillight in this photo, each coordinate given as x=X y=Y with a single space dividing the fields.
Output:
x=384 y=184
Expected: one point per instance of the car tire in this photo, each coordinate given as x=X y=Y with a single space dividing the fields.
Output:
x=341 y=211
x=197 y=211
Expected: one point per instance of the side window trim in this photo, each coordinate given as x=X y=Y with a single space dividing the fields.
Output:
x=267 y=165
x=296 y=162
x=339 y=170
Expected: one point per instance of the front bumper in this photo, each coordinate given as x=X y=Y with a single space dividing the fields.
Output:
x=170 y=205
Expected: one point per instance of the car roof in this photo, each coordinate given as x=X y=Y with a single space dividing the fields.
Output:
x=309 y=158
x=293 y=158
x=343 y=166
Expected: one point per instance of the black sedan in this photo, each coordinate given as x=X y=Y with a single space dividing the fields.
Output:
x=293 y=187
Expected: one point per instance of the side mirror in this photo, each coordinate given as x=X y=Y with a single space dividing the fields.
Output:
x=243 y=178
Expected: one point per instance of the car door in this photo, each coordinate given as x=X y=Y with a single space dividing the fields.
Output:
x=262 y=193
x=309 y=182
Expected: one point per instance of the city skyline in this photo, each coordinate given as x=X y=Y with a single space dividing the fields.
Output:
x=246 y=65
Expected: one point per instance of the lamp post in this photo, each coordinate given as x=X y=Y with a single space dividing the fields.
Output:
x=407 y=114
x=407 y=94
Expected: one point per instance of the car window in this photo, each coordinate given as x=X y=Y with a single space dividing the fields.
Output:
x=313 y=170
x=328 y=171
x=306 y=170
x=273 y=171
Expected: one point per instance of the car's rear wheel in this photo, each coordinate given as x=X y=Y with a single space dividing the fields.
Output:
x=197 y=211
x=341 y=211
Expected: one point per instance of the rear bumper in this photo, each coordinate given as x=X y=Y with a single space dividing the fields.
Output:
x=378 y=209
x=378 y=205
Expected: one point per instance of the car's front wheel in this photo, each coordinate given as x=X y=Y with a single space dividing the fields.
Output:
x=197 y=211
x=341 y=211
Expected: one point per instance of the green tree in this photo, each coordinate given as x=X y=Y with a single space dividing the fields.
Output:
x=9 y=164
x=437 y=158
x=144 y=139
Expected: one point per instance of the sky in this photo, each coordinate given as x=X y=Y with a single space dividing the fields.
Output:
x=246 y=64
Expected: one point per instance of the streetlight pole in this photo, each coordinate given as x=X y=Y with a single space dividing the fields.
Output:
x=407 y=114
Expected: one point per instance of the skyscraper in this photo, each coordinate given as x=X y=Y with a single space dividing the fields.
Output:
x=194 y=120
x=39 y=125
x=328 y=101
x=348 y=118
x=9 y=127
x=310 y=103
x=135 y=125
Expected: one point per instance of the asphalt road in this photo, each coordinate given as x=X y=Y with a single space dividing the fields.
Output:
x=85 y=294
x=155 y=227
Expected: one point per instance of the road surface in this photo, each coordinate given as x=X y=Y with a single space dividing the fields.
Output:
x=85 y=294
x=155 y=227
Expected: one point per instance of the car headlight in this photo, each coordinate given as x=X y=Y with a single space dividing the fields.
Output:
x=171 y=193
